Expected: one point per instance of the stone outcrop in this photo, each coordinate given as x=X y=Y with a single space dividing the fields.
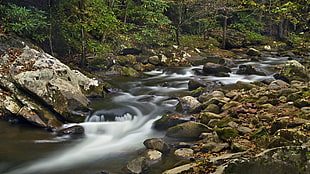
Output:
x=42 y=90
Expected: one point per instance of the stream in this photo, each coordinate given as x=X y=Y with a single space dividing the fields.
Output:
x=115 y=132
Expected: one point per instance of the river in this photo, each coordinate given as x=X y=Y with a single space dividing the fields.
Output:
x=115 y=132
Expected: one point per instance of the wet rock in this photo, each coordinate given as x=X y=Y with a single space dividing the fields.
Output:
x=226 y=133
x=154 y=60
x=153 y=156
x=180 y=169
x=210 y=137
x=205 y=117
x=194 y=84
x=137 y=165
x=212 y=108
x=72 y=130
x=184 y=153
x=229 y=105
x=302 y=103
x=213 y=147
x=277 y=160
x=170 y=120
x=237 y=147
x=305 y=110
x=215 y=69
x=293 y=70
x=278 y=84
x=278 y=124
x=244 y=85
x=253 y=52
x=189 y=104
x=249 y=70
x=190 y=130
x=157 y=144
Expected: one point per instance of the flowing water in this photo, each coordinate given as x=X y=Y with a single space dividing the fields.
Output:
x=115 y=132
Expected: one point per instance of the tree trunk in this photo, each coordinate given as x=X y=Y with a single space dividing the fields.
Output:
x=280 y=29
x=50 y=29
x=177 y=35
x=225 y=32
x=83 y=55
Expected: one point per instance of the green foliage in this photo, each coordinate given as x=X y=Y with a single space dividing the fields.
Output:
x=247 y=22
x=300 y=41
x=25 y=22
x=255 y=38
x=148 y=22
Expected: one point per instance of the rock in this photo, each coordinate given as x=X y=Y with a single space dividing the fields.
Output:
x=293 y=70
x=244 y=130
x=189 y=104
x=260 y=132
x=138 y=165
x=301 y=103
x=215 y=69
x=236 y=147
x=276 y=160
x=212 y=108
x=213 y=147
x=278 y=84
x=229 y=105
x=249 y=70
x=184 y=152
x=153 y=156
x=157 y=144
x=194 y=84
x=71 y=130
x=278 y=124
x=54 y=88
x=226 y=133
x=244 y=85
x=154 y=60
x=205 y=117
x=167 y=121
x=253 y=52
x=180 y=169
x=189 y=129
x=305 y=110
x=210 y=137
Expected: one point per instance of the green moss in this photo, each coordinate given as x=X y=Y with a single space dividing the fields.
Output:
x=223 y=123
x=226 y=133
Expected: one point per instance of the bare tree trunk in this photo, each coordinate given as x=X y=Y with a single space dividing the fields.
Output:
x=280 y=29
x=50 y=29
x=225 y=32
x=83 y=56
x=126 y=12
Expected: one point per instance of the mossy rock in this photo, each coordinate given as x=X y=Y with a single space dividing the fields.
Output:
x=128 y=71
x=191 y=130
x=205 y=117
x=226 y=133
x=260 y=132
x=223 y=123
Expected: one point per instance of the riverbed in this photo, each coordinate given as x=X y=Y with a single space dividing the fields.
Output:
x=119 y=124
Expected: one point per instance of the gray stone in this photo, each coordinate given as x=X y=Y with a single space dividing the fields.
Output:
x=138 y=165
x=157 y=144
x=187 y=130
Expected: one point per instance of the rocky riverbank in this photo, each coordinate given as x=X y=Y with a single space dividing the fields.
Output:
x=218 y=128
x=241 y=128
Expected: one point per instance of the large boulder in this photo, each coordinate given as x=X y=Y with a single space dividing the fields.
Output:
x=46 y=89
x=215 y=69
x=293 y=70
x=189 y=129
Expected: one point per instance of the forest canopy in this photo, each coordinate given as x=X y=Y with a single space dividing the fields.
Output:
x=107 y=26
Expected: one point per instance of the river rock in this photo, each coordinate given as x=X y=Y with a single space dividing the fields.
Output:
x=56 y=91
x=278 y=84
x=209 y=137
x=226 y=133
x=71 y=130
x=249 y=70
x=191 y=130
x=184 y=152
x=293 y=70
x=137 y=165
x=253 y=52
x=189 y=104
x=291 y=159
x=215 y=69
x=153 y=156
x=213 y=147
x=170 y=120
x=194 y=84
x=157 y=144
